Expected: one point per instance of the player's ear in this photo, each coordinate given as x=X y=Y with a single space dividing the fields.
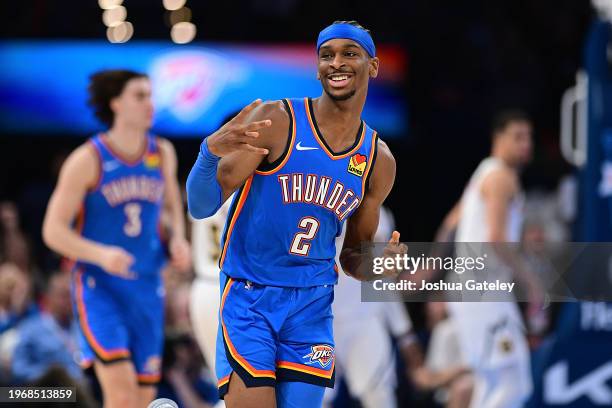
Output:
x=373 y=68
x=318 y=76
x=114 y=104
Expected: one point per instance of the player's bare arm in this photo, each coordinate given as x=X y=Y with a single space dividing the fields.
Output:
x=428 y=380
x=362 y=225
x=79 y=174
x=180 y=251
x=257 y=133
x=449 y=224
x=444 y=234
x=498 y=189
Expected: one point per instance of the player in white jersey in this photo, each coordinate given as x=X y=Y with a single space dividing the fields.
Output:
x=204 y=305
x=364 y=356
x=490 y=210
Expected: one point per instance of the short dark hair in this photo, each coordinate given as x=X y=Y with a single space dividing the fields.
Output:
x=505 y=117
x=353 y=23
x=106 y=85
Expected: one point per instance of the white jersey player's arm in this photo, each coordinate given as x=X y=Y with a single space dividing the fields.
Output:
x=78 y=174
x=178 y=245
x=498 y=188
x=172 y=193
x=394 y=312
x=449 y=225
x=412 y=353
x=427 y=379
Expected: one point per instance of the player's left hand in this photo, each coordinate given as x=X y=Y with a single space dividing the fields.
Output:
x=393 y=248
x=180 y=254
x=424 y=379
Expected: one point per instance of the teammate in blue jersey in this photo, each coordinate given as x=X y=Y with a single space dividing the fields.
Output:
x=301 y=167
x=105 y=214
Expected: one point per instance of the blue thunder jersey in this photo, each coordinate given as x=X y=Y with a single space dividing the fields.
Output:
x=284 y=220
x=123 y=209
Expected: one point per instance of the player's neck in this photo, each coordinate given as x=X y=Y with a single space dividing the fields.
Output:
x=129 y=141
x=338 y=120
x=503 y=158
x=347 y=111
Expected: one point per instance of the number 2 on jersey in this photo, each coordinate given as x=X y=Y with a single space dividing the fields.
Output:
x=301 y=245
x=133 y=225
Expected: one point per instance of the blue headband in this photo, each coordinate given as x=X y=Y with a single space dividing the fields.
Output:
x=348 y=31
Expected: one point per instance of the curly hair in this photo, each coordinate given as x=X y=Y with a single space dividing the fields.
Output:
x=353 y=23
x=106 y=85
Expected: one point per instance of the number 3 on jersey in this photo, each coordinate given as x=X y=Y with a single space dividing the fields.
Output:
x=300 y=245
x=133 y=225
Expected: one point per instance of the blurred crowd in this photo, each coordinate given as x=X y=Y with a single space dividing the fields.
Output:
x=38 y=329
x=38 y=342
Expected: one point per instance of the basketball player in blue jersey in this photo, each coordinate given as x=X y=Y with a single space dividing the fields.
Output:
x=301 y=167
x=116 y=186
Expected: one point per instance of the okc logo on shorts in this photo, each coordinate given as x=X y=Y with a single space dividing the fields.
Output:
x=153 y=364
x=357 y=164
x=321 y=354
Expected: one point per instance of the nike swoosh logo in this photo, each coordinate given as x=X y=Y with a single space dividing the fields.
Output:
x=300 y=147
x=110 y=165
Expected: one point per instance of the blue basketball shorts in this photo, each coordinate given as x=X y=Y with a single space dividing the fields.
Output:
x=120 y=319
x=269 y=334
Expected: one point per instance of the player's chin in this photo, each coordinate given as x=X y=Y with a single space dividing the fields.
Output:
x=341 y=95
x=146 y=122
x=524 y=160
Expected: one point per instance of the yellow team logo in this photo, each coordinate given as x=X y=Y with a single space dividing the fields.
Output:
x=357 y=165
x=152 y=160
x=506 y=346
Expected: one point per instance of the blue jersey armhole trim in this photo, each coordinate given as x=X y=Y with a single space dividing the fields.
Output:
x=265 y=168
x=153 y=144
x=370 y=169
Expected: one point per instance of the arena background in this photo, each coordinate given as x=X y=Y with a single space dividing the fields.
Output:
x=461 y=62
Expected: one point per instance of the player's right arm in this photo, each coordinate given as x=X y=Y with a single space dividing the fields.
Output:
x=449 y=224
x=497 y=190
x=270 y=122
x=78 y=174
x=231 y=154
